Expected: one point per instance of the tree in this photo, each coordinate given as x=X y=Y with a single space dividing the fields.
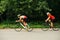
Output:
x=55 y=6
x=32 y=8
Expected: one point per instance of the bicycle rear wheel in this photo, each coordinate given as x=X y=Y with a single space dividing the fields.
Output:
x=55 y=29
x=29 y=29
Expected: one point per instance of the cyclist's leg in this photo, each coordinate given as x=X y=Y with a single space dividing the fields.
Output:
x=24 y=21
x=21 y=20
x=51 y=23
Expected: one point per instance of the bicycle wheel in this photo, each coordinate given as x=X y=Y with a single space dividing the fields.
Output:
x=45 y=27
x=56 y=29
x=29 y=29
x=18 y=28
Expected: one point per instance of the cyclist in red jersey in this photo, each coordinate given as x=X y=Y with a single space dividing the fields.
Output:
x=50 y=19
x=22 y=19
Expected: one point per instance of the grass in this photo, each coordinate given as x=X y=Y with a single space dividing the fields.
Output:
x=11 y=24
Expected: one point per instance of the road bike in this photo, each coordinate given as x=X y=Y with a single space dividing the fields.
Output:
x=47 y=27
x=20 y=26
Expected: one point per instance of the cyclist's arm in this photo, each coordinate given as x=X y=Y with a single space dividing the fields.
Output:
x=47 y=19
x=18 y=20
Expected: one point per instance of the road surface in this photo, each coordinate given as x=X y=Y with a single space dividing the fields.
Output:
x=36 y=34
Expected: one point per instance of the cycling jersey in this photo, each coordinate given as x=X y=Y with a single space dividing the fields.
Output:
x=51 y=17
x=23 y=16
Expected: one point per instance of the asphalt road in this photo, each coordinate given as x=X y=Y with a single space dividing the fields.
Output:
x=36 y=34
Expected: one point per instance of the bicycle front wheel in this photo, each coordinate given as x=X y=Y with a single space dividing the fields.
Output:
x=18 y=28
x=45 y=29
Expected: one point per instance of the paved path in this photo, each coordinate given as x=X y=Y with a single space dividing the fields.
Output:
x=36 y=34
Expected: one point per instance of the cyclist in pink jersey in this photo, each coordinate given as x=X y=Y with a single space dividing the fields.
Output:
x=22 y=19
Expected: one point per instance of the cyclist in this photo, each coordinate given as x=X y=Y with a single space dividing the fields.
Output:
x=50 y=19
x=22 y=19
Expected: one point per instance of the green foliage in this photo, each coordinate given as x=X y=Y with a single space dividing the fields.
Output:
x=32 y=8
x=3 y=4
x=12 y=24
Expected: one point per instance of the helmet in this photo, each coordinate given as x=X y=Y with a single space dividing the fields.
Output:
x=19 y=15
x=47 y=13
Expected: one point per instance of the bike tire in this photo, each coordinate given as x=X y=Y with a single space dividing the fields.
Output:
x=18 y=28
x=29 y=29
x=55 y=29
x=45 y=29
